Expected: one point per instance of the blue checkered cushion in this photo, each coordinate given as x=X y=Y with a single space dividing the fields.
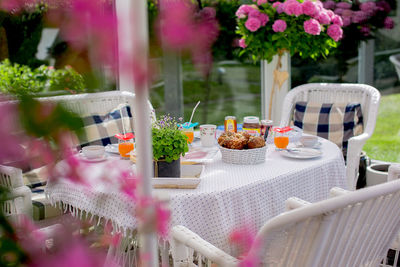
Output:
x=99 y=129
x=337 y=122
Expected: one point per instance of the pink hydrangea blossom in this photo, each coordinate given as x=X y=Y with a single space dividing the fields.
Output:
x=335 y=32
x=330 y=4
x=337 y=20
x=368 y=6
x=343 y=5
x=346 y=21
x=253 y=24
x=312 y=27
x=310 y=8
x=260 y=2
x=324 y=18
x=279 y=26
x=330 y=13
x=243 y=11
x=383 y=6
x=365 y=30
x=292 y=7
x=388 y=23
x=339 y=11
x=262 y=17
x=278 y=6
x=242 y=43
x=359 y=16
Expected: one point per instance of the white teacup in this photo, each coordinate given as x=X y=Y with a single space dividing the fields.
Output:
x=93 y=152
x=207 y=134
x=309 y=141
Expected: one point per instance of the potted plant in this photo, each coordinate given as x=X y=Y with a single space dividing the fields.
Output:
x=296 y=27
x=169 y=143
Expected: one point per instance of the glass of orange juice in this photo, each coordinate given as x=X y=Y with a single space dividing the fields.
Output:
x=125 y=144
x=125 y=147
x=189 y=133
x=281 y=137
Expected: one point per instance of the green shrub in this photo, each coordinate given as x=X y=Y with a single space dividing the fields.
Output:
x=20 y=79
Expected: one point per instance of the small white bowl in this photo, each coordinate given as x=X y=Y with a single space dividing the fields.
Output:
x=309 y=141
x=93 y=152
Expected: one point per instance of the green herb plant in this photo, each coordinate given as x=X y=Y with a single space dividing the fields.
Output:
x=169 y=143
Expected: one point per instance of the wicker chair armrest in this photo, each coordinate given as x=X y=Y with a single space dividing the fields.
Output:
x=294 y=203
x=183 y=238
x=337 y=191
x=25 y=193
x=354 y=148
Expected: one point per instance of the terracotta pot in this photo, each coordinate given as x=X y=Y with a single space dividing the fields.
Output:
x=166 y=169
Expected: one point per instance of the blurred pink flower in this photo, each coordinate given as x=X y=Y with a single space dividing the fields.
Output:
x=310 y=8
x=365 y=30
x=181 y=28
x=253 y=24
x=388 y=23
x=244 y=238
x=243 y=11
x=242 y=43
x=278 y=6
x=339 y=11
x=292 y=7
x=346 y=21
x=324 y=18
x=279 y=26
x=128 y=184
x=383 y=6
x=337 y=20
x=335 y=32
x=260 y=2
x=368 y=7
x=330 y=4
x=152 y=215
x=312 y=26
x=359 y=16
x=11 y=134
x=343 y=5
x=262 y=17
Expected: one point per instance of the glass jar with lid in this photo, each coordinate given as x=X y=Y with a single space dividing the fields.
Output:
x=251 y=125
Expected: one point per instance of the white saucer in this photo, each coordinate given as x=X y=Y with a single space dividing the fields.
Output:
x=112 y=148
x=82 y=157
x=301 y=153
x=316 y=146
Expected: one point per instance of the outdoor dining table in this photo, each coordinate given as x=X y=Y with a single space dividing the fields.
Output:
x=227 y=197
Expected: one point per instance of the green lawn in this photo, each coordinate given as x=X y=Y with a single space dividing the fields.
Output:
x=385 y=142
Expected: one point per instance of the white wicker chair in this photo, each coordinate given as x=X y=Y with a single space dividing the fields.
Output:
x=395 y=59
x=366 y=95
x=19 y=201
x=96 y=102
x=352 y=229
x=82 y=104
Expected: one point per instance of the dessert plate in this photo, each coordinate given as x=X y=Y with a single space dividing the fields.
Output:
x=301 y=153
x=82 y=157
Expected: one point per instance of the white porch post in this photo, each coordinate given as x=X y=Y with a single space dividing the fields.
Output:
x=267 y=80
x=366 y=62
x=133 y=45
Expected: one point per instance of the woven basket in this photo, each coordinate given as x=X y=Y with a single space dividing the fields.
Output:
x=243 y=157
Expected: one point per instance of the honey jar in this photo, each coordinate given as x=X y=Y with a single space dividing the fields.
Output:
x=230 y=124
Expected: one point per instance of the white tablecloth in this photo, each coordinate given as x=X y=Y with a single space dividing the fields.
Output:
x=228 y=195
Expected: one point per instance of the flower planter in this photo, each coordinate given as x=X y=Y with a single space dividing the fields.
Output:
x=166 y=169
x=377 y=173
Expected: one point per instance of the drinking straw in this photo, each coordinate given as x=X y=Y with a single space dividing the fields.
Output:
x=191 y=117
x=122 y=121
